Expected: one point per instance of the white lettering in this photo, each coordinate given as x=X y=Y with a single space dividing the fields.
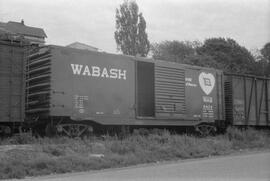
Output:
x=207 y=99
x=76 y=68
x=122 y=74
x=188 y=79
x=95 y=71
x=86 y=71
x=105 y=73
x=188 y=84
x=113 y=73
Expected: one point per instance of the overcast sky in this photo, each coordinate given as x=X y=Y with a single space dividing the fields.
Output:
x=93 y=22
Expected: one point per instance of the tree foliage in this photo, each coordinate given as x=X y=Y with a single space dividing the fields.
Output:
x=130 y=35
x=265 y=51
x=220 y=53
x=174 y=51
x=263 y=62
x=228 y=55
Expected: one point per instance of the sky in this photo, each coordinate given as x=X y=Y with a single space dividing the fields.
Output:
x=93 y=22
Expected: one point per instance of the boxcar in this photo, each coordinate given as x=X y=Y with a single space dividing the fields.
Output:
x=12 y=75
x=247 y=100
x=106 y=89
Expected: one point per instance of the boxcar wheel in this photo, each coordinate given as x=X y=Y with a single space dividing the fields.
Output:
x=5 y=131
x=50 y=130
x=206 y=129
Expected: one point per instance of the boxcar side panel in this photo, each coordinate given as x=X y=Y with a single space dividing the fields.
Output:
x=188 y=93
x=170 y=97
x=91 y=85
x=203 y=95
x=12 y=74
x=267 y=102
x=221 y=96
x=250 y=100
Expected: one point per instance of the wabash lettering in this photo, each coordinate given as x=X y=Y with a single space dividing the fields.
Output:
x=96 y=71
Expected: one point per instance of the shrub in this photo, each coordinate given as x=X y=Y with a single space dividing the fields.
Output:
x=60 y=155
x=54 y=150
x=20 y=139
x=248 y=138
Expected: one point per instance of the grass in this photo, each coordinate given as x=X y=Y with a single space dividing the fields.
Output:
x=41 y=156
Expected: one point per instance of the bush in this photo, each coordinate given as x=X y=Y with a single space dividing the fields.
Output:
x=247 y=138
x=54 y=150
x=20 y=139
x=60 y=155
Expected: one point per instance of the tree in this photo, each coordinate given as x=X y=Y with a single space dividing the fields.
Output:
x=174 y=51
x=130 y=35
x=220 y=53
x=260 y=62
x=228 y=55
x=264 y=60
x=265 y=51
x=202 y=60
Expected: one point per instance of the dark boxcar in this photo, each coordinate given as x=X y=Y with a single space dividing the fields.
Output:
x=178 y=94
x=12 y=75
x=189 y=93
x=247 y=100
x=116 y=89
x=80 y=84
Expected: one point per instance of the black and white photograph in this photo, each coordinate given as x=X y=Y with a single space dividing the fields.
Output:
x=135 y=90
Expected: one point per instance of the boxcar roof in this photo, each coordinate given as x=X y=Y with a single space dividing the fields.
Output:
x=246 y=75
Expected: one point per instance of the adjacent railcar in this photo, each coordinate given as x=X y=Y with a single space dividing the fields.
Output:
x=72 y=88
x=12 y=80
x=247 y=100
